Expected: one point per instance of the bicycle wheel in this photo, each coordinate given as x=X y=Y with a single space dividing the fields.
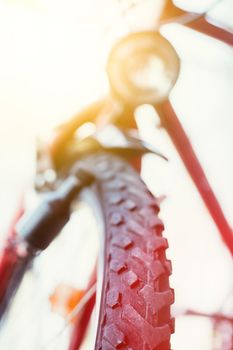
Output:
x=134 y=308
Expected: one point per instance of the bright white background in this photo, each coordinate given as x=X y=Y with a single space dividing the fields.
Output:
x=52 y=56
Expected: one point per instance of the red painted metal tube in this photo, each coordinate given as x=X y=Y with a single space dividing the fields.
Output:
x=8 y=262
x=170 y=11
x=175 y=130
x=14 y=262
x=202 y=24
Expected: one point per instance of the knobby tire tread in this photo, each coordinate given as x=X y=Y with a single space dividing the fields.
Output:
x=136 y=297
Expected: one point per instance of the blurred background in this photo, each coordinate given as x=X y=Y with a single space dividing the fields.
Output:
x=52 y=63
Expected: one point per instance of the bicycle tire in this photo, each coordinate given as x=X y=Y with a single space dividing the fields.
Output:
x=134 y=311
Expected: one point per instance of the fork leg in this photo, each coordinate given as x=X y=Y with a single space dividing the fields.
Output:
x=175 y=130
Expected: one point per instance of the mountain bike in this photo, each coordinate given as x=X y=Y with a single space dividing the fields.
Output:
x=132 y=295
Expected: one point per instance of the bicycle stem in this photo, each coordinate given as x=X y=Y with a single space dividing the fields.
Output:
x=183 y=145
